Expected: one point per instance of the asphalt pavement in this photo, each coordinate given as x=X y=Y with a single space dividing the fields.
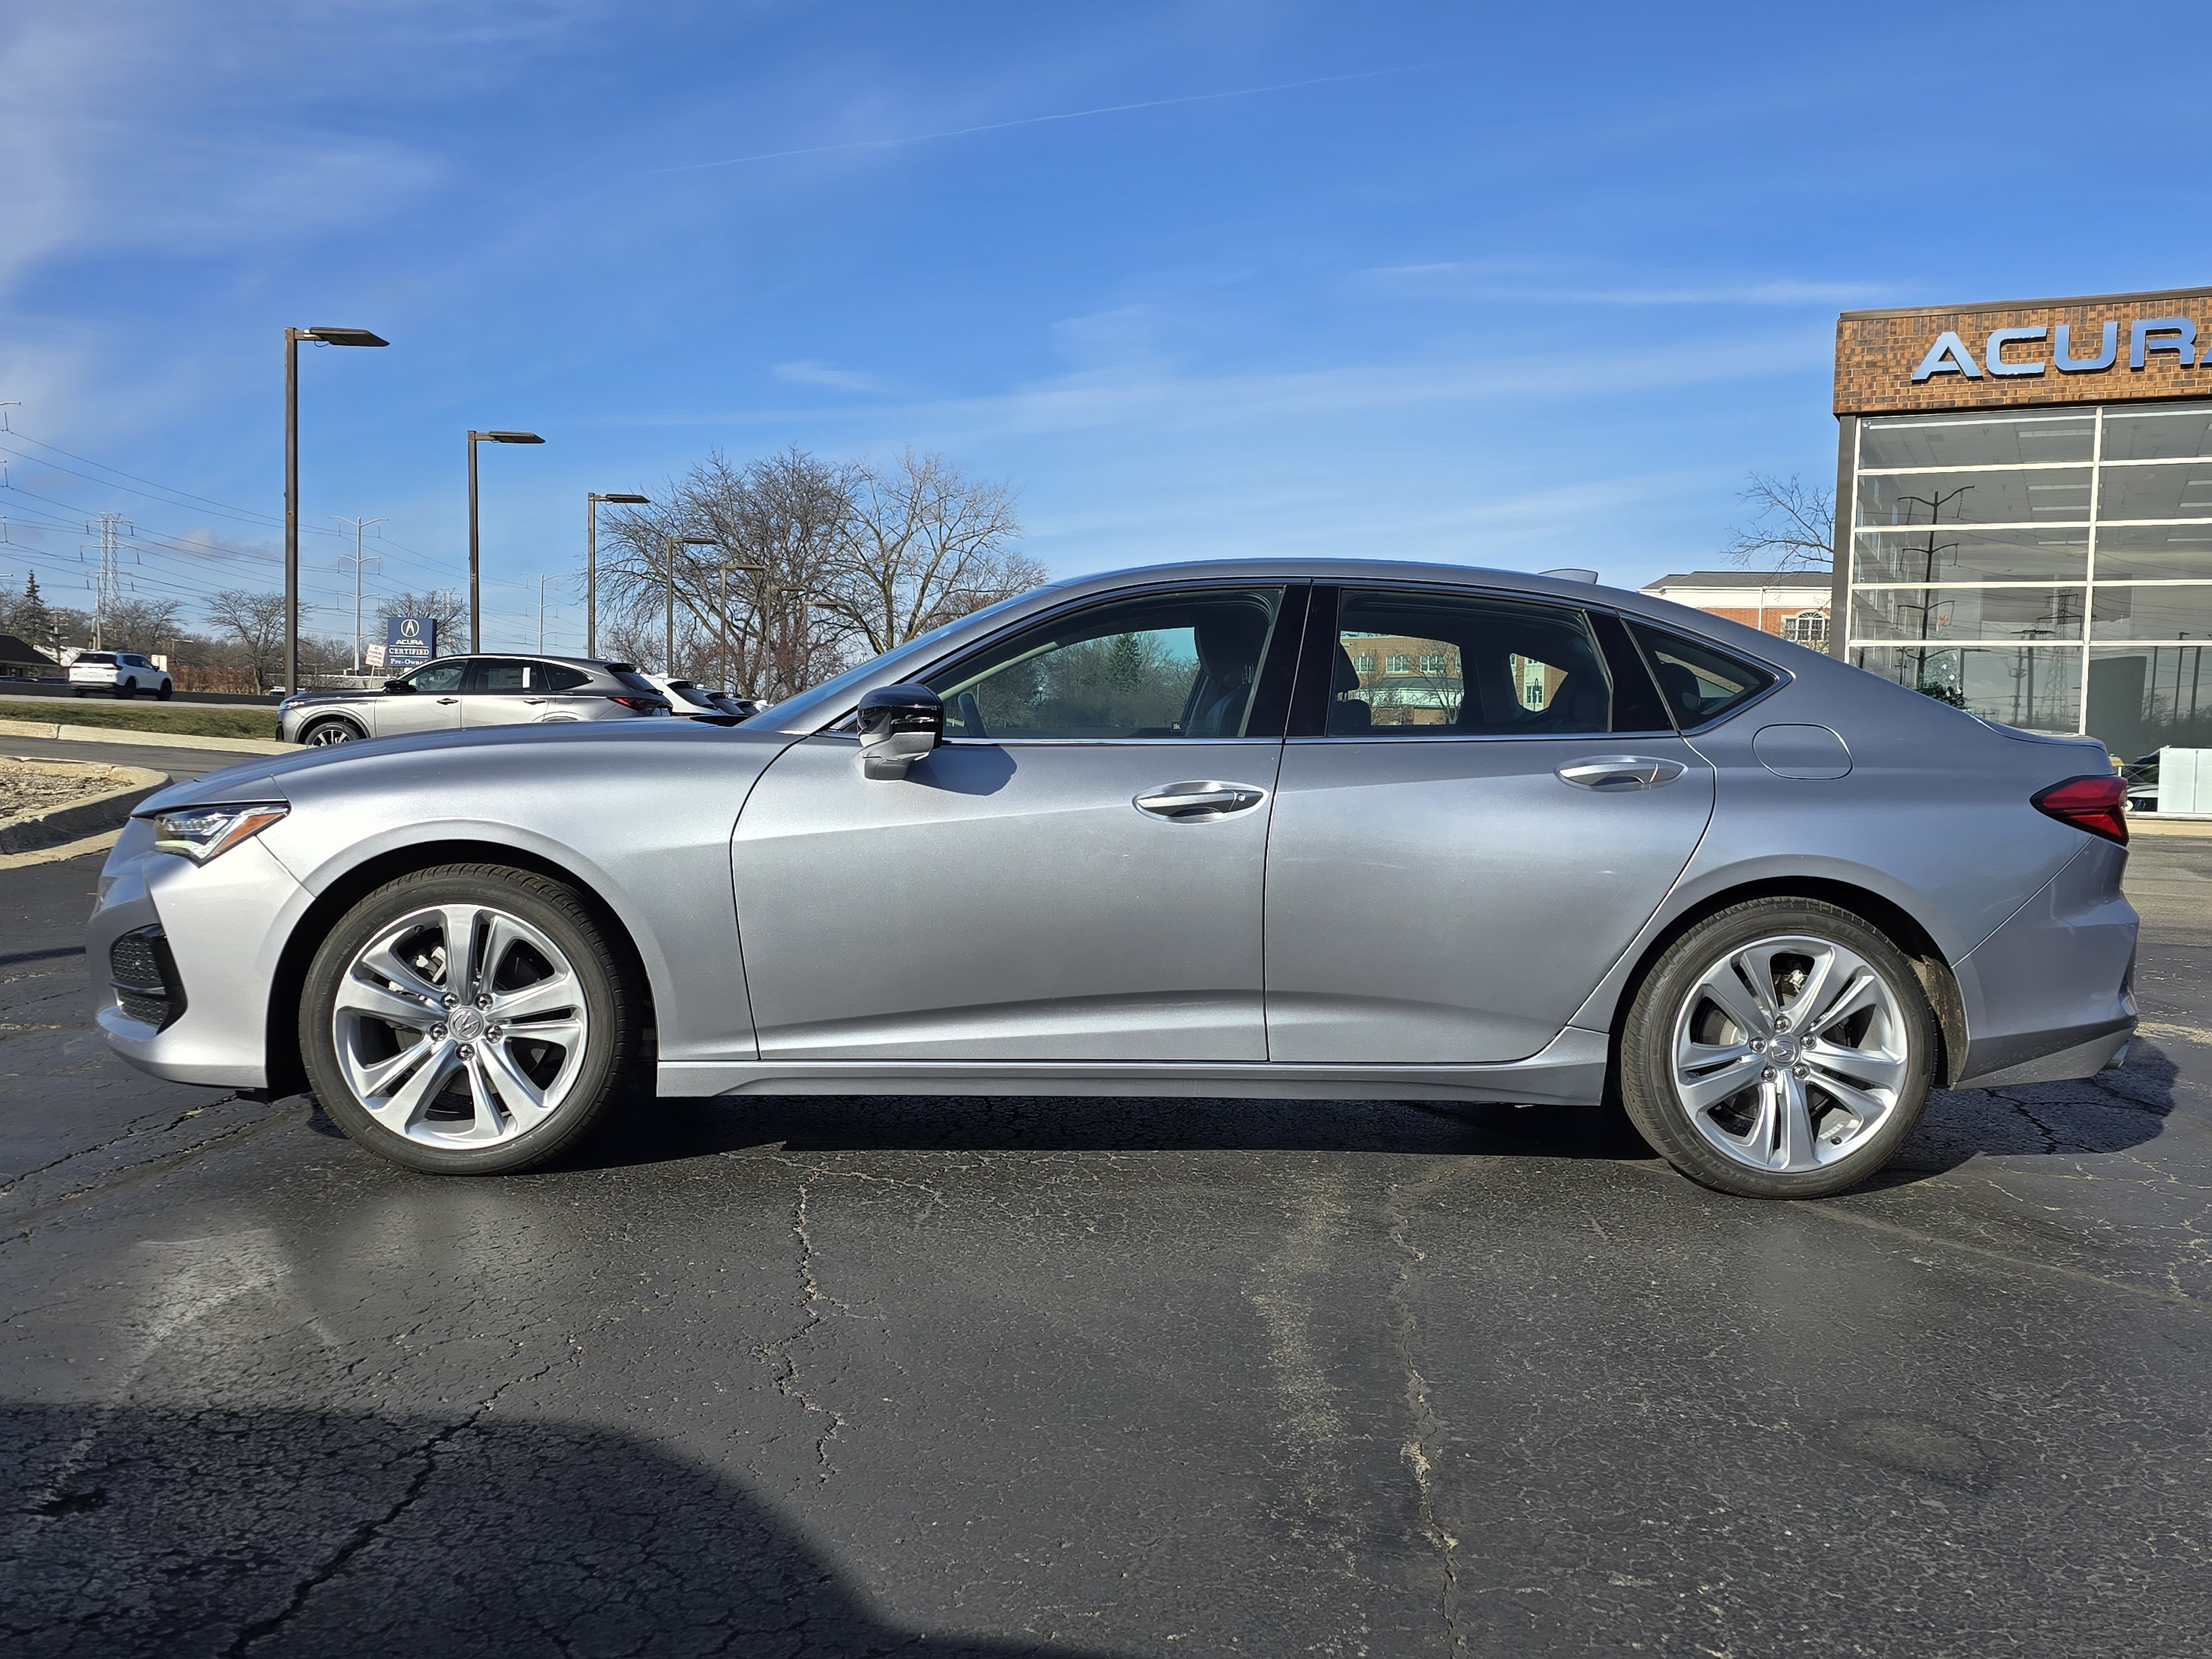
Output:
x=1100 y=1377
x=178 y=764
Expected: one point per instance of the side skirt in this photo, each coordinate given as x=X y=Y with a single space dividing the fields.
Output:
x=1569 y=1071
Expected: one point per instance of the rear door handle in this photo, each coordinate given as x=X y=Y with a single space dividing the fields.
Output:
x=1200 y=800
x=447 y=700
x=1614 y=774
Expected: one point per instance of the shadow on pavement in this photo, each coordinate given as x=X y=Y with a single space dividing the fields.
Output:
x=139 y=1531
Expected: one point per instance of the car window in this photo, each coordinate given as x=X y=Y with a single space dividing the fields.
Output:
x=1411 y=665
x=437 y=677
x=493 y=675
x=1176 y=665
x=636 y=681
x=1700 y=682
x=554 y=677
x=96 y=658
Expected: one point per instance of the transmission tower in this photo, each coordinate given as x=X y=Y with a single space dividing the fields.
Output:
x=112 y=528
x=357 y=560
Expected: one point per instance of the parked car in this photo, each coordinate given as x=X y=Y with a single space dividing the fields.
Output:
x=454 y=694
x=1307 y=828
x=2142 y=775
x=689 y=702
x=119 y=674
x=743 y=707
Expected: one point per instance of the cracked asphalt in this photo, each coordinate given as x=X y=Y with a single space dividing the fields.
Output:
x=1100 y=1377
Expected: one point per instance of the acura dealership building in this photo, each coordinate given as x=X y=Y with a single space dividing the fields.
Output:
x=2024 y=510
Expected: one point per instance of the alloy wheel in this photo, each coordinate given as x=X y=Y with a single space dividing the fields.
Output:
x=1790 y=1051
x=329 y=733
x=460 y=1026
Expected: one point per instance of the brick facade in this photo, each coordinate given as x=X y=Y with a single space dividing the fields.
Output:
x=1876 y=352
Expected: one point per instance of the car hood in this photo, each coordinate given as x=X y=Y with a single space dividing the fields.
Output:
x=344 y=695
x=385 y=762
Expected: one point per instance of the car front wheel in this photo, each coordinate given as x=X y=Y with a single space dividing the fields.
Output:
x=330 y=732
x=467 y=1020
x=1781 y=1048
x=168 y=690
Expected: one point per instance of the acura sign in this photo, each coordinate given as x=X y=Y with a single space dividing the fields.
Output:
x=1952 y=356
x=409 y=642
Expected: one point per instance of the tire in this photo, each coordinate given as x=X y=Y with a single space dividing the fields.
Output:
x=512 y=1102
x=323 y=733
x=125 y=690
x=1863 y=1074
x=168 y=690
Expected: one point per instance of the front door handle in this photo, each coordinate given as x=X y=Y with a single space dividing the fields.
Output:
x=1200 y=800
x=1614 y=774
x=448 y=700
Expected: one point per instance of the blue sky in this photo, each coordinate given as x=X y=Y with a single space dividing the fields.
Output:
x=1523 y=286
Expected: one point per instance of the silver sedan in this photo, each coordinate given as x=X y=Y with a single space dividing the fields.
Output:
x=1313 y=828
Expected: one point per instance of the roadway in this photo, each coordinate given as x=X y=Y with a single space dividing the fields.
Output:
x=1101 y=1376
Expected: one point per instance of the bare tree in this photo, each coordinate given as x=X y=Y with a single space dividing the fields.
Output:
x=1792 y=527
x=255 y=622
x=137 y=624
x=924 y=544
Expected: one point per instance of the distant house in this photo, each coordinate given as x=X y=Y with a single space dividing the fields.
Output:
x=21 y=660
x=1793 y=604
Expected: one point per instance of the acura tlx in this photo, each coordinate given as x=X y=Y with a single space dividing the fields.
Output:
x=1323 y=828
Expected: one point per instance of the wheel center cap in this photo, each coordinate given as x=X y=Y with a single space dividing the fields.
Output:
x=466 y=1024
x=1783 y=1049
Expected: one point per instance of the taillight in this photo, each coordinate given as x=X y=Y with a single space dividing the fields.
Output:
x=2094 y=804
x=643 y=705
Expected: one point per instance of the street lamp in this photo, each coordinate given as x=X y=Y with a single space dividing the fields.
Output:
x=475 y=612
x=592 y=561
x=668 y=659
x=337 y=336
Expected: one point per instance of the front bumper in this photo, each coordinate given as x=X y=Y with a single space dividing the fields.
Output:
x=225 y=924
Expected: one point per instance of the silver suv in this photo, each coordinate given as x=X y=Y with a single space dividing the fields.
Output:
x=123 y=673
x=455 y=693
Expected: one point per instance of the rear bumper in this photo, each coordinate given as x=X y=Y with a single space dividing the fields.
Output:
x=2047 y=997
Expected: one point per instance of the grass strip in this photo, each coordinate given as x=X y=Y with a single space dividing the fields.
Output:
x=185 y=721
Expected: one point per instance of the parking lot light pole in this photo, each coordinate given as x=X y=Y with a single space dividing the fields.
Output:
x=476 y=609
x=668 y=659
x=337 y=336
x=592 y=561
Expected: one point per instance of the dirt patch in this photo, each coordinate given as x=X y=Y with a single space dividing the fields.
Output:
x=36 y=786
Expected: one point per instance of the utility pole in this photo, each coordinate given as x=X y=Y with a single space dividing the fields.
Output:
x=108 y=526
x=541 y=616
x=356 y=559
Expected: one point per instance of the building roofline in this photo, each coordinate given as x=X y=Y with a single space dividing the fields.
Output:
x=2026 y=304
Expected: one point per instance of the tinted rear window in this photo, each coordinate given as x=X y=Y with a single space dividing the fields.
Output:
x=555 y=677
x=97 y=659
x=636 y=682
x=1700 y=682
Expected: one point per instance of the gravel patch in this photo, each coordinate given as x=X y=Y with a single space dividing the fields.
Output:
x=29 y=787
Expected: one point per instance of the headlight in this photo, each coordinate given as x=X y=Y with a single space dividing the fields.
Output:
x=200 y=833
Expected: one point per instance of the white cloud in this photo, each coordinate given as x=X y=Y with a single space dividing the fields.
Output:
x=1491 y=281
x=809 y=373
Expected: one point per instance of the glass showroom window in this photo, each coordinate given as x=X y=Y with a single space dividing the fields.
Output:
x=2047 y=568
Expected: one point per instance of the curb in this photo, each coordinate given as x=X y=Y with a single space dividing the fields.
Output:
x=29 y=832
x=63 y=854
x=157 y=739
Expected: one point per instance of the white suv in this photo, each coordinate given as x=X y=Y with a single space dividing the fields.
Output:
x=123 y=673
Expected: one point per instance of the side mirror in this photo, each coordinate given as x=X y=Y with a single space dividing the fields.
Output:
x=899 y=724
x=396 y=686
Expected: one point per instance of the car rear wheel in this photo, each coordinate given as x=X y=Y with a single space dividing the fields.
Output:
x=323 y=732
x=126 y=690
x=467 y=1020
x=1781 y=1048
